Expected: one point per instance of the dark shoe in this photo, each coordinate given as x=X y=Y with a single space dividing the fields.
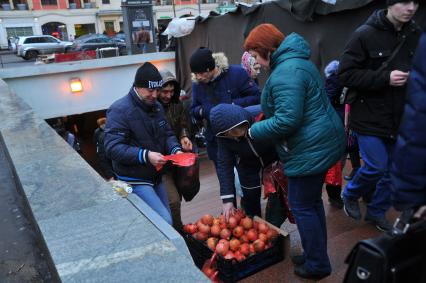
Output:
x=351 y=208
x=301 y=271
x=351 y=175
x=297 y=259
x=336 y=202
x=380 y=222
x=368 y=197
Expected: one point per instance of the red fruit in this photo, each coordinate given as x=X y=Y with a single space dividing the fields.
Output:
x=238 y=231
x=239 y=256
x=216 y=221
x=247 y=223
x=255 y=225
x=251 y=247
x=215 y=230
x=262 y=228
x=229 y=255
x=234 y=244
x=263 y=237
x=208 y=271
x=244 y=239
x=200 y=236
x=259 y=246
x=207 y=219
x=222 y=247
x=212 y=242
x=222 y=219
x=252 y=235
x=232 y=222
x=204 y=229
x=245 y=249
x=225 y=234
x=272 y=234
x=190 y=228
x=239 y=214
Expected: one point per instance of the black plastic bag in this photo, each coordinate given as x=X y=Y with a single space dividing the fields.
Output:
x=187 y=180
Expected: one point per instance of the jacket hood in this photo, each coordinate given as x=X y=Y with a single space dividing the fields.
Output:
x=225 y=117
x=221 y=62
x=293 y=46
x=168 y=77
x=379 y=21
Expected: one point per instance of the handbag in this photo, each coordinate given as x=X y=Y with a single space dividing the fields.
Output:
x=394 y=257
x=349 y=94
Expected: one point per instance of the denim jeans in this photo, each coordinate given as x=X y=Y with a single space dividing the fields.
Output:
x=156 y=198
x=376 y=153
x=304 y=195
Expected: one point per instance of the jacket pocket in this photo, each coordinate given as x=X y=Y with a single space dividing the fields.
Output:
x=378 y=57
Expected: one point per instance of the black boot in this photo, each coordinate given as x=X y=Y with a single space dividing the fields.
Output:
x=334 y=196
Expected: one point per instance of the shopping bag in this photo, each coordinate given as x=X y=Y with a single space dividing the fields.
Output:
x=187 y=180
x=334 y=175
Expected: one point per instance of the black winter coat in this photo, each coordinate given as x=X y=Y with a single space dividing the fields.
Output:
x=378 y=108
x=134 y=128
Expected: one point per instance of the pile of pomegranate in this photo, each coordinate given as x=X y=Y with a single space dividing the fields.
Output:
x=236 y=239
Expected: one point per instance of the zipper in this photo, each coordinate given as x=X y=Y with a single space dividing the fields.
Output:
x=255 y=152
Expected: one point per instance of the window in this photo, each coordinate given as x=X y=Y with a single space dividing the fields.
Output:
x=105 y=1
x=50 y=39
x=19 y=31
x=49 y=2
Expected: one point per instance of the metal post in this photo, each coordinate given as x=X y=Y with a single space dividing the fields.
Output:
x=174 y=9
x=199 y=7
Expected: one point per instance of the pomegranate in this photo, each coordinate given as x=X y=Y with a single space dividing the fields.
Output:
x=190 y=228
x=204 y=228
x=239 y=214
x=247 y=223
x=200 y=236
x=232 y=222
x=256 y=225
x=225 y=234
x=272 y=234
x=222 y=247
x=245 y=249
x=244 y=239
x=215 y=230
x=212 y=242
x=252 y=235
x=262 y=228
x=234 y=244
x=229 y=255
x=207 y=219
x=251 y=248
x=263 y=237
x=259 y=246
x=216 y=221
x=239 y=256
x=238 y=231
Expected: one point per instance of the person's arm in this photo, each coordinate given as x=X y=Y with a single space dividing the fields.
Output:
x=352 y=68
x=225 y=171
x=288 y=94
x=248 y=90
x=117 y=140
x=196 y=110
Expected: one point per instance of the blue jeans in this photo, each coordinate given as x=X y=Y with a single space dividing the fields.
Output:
x=376 y=153
x=304 y=196
x=156 y=198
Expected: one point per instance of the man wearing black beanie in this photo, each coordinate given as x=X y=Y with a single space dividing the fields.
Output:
x=214 y=82
x=375 y=64
x=137 y=136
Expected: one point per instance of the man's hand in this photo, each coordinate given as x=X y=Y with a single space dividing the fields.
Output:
x=228 y=210
x=186 y=144
x=156 y=158
x=398 y=78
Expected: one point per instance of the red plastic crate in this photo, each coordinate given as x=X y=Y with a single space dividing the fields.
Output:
x=75 y=56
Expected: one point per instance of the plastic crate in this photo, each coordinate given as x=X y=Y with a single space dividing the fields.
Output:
x=232 y=272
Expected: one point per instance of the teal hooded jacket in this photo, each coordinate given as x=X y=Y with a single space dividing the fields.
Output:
x=307 y=132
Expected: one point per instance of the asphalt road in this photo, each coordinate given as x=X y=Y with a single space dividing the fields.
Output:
x=10 y=60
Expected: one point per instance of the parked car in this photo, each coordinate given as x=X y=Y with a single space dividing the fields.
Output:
x=119 y=37
x=29 y=47
x=96 y=41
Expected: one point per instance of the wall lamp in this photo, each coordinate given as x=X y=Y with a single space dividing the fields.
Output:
x=76 y=85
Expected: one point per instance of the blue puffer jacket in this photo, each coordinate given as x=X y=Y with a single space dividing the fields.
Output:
x=133 y=129
x=233 y=85
x=408 y=171
x=247 y=155
x=307 y=132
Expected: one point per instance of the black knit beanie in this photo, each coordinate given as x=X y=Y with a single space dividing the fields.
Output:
x=147 y=76
x=392 y=2
x=202 y=60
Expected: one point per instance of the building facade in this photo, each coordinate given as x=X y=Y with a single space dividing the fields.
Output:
x=68 y=19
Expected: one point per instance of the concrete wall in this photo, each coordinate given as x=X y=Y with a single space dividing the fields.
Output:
x=46 y=87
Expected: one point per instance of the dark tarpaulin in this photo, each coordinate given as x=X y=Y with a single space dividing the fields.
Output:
x=327 y=34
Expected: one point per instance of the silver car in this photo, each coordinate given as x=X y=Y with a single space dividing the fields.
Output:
x=29 y=47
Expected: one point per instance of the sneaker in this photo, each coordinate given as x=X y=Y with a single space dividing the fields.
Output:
x=300 y=270
x=380 y=222
x=336 y=202
x=351 y=208
x=297 y=259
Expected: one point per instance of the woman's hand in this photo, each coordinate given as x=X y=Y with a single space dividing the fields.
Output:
x=186 y=144
x=156 y=158
x=228 y=210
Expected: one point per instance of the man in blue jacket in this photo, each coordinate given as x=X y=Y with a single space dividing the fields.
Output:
x=136 y=137
x=214 y=82
x=408 y=170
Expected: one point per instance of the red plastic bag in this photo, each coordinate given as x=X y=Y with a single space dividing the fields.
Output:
x=185 y=159
x=334 y=175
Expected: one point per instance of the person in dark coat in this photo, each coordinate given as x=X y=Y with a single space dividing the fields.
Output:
x=230 y=123
x=408 y=170
x=104 y=162
x=214 y=82
x=137 y=136
x=177 y=118
x=376 y=112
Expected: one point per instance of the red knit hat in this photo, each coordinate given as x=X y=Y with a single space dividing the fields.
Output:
x=263 y=39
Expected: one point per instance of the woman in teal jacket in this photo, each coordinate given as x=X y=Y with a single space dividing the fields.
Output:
x=307 y=132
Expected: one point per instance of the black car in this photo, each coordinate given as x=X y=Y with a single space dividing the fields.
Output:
x=96 y=41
